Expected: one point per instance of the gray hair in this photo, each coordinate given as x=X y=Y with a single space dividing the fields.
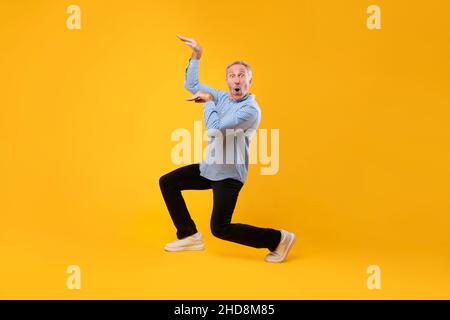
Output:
x=241 y=62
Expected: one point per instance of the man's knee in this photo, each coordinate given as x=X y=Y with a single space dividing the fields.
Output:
x=221 y=231
x=165 y=182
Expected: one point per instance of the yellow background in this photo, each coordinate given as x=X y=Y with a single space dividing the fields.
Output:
x=86 y=118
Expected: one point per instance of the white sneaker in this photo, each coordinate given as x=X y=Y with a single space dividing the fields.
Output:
x=194 y=242
x=280 y=253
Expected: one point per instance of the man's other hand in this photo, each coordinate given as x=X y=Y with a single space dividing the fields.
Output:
x=201 y=97
x=196 y=49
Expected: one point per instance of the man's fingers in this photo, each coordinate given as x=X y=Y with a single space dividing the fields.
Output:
x=191 y=45
x=199 y=100
x=192 y=98
x=187 y=40
x=183 y=38
x=196 y=99
x=199 y=96
x=190 y=42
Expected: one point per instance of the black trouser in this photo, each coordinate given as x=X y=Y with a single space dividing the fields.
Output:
x=225 y=196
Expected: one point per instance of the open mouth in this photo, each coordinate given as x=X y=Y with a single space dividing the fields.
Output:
x=237 y=90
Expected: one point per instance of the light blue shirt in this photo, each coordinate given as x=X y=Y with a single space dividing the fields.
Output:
x=229 y=152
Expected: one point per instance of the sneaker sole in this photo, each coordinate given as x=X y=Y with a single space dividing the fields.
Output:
x=289 y=246
x=196 y=247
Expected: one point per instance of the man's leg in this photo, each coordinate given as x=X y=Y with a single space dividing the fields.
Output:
x=225 y=197
x=171 y=184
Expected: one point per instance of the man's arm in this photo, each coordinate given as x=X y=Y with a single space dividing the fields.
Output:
x=241 y=119
x=191 y=81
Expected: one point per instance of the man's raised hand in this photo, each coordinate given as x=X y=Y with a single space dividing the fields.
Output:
x=201 y=97
x=196 y=49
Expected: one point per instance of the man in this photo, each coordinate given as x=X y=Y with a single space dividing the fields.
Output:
x=223 y=112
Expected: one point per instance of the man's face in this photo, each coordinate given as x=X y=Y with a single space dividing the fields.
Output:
x=238 y=81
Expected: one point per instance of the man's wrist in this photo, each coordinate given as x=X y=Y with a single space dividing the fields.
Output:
x=196 y=55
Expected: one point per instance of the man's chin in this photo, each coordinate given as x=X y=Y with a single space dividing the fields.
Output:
x=236 y=95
